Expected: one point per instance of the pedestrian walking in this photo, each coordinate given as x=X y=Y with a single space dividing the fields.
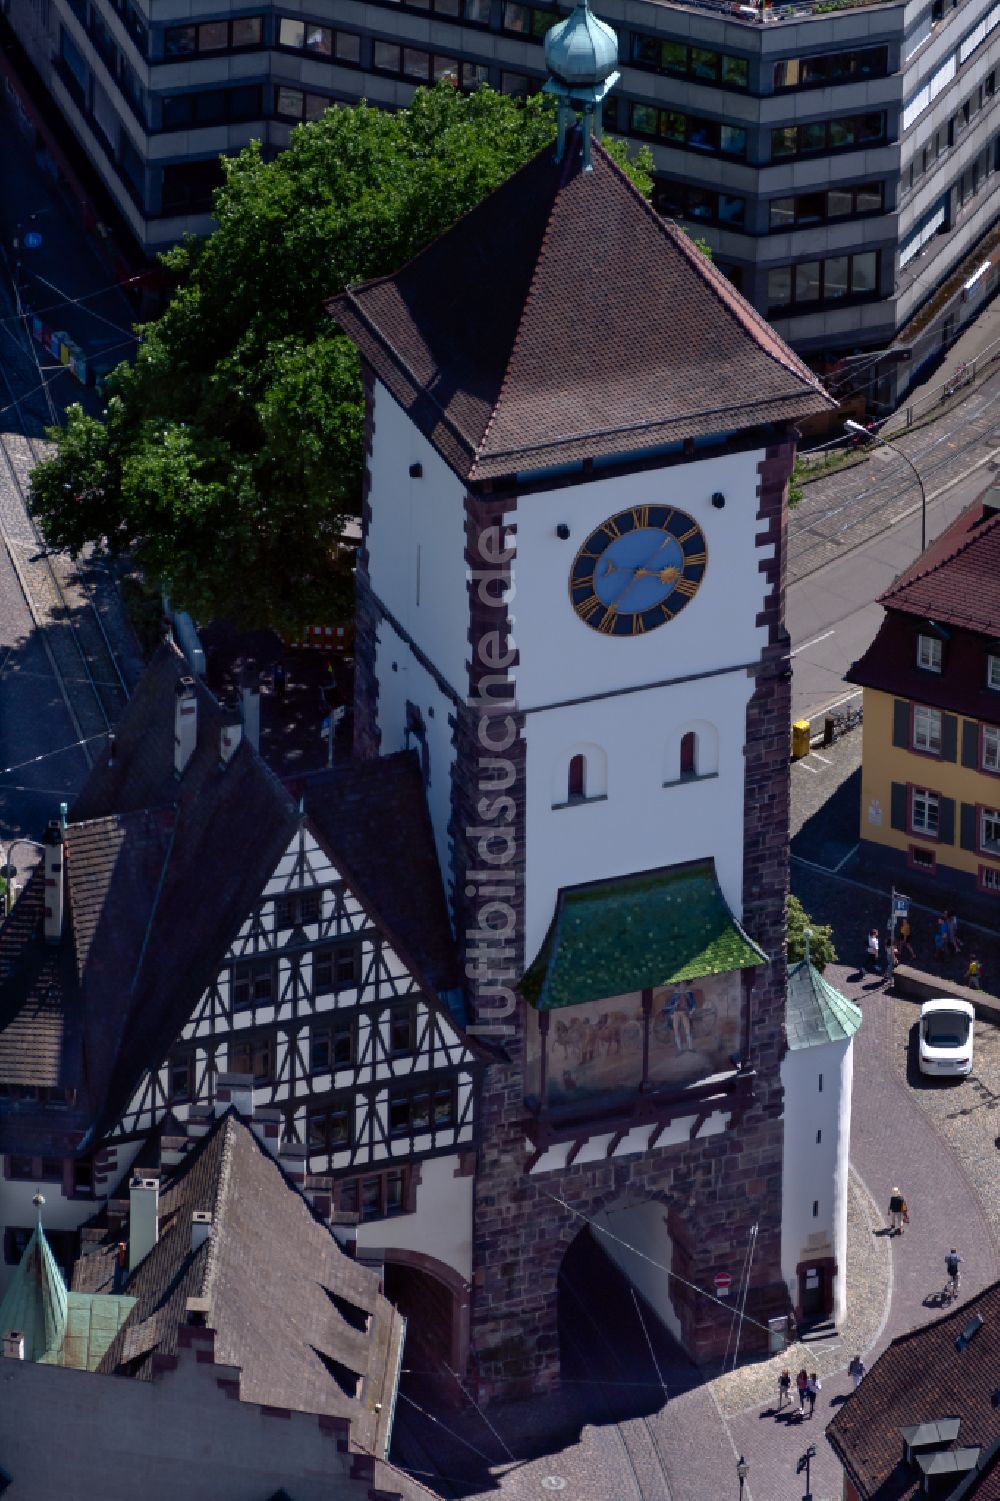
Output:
x=896 y=1206
x=813 y=1388
x=903 y=933
x=953 y=939
x=856 y=1371
x=974 y=974
x=802 y=1387
x=872 y=946
x=784 y=1390
x=941 y=936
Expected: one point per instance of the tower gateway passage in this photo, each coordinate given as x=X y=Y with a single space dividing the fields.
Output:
x=570 y=600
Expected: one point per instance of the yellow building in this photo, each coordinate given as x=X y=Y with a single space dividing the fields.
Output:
x=930 y=779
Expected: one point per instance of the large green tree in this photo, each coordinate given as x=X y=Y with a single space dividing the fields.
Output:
x=228 y=458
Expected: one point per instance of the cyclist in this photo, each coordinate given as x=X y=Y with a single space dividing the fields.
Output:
x=953 y=1264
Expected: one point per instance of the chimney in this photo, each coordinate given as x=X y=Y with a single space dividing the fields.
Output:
x=54 y=884
x=185 y=724
x=13 y=1345
x=250 y=710
x=143 y=1218
x=230 y=735
x=201 y=1225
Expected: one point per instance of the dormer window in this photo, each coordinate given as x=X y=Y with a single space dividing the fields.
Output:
x=929 y=653
x=993 y=671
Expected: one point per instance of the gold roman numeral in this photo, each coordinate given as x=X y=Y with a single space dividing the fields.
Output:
x=692 y=531
x=638 y=625
x=640 y=517
x=666 y=612
x=607 y=625
x=612 y=528
x=588 y=608
x=695 y=558
x=687 y=587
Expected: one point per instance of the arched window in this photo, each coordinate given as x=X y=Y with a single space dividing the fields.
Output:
x=576 y=781
x=689 y=750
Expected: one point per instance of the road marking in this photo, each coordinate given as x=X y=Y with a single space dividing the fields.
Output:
x=850 y=854
x=814 y=642
x=825 y=759
x=811 y=769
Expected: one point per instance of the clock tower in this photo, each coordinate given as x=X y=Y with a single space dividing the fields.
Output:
x=570 y=602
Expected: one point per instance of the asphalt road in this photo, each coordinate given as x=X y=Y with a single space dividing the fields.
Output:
x=832 y=615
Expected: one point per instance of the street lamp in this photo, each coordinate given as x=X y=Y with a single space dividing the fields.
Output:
x=742 y=1471
x=858 y=430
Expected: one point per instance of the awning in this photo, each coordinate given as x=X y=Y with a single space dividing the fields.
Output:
x=610 y=938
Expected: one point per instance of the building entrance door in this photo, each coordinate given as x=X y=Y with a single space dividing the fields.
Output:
x=813 y=1292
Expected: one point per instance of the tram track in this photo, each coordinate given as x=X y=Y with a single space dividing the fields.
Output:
x=63 y=606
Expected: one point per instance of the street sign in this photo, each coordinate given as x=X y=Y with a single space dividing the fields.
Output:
x=723 y=1282
x=900 y=905
x=32 y=240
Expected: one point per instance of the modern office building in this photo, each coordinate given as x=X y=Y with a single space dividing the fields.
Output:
x=835 y=156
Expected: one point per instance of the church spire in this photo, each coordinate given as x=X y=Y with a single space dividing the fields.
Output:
x=581 y=54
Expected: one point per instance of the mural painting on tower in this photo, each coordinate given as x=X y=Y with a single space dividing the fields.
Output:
x=594 y=1051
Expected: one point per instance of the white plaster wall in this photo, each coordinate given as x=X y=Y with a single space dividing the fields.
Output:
x=409 y=681
x=442 y=1224
x=642 y=824
x=562 y=658
x=177 y=1436
x=426 y=513
x=816 y=1171
x=642 y=1227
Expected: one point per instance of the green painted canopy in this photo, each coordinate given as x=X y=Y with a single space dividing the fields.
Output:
x=609 y=938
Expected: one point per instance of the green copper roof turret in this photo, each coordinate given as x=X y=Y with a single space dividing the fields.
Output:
x=581 y=54
x=37 y=1300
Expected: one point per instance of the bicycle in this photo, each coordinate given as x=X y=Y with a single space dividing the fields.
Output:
x=951 y=1287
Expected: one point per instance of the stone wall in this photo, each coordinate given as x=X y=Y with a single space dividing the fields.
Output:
x=713 y=1189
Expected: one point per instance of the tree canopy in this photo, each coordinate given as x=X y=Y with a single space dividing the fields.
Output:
x=821 y=948
x=229 y=456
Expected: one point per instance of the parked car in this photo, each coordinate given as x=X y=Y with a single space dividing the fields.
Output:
x=946 y=1037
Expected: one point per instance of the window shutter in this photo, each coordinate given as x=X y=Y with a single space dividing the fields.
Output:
x=970 y=743
x=946 y=820
x=967 y=832
x=949 y=737
x=901 y=724
x=897 y=811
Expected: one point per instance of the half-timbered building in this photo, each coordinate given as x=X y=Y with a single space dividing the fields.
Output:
x=199 y=934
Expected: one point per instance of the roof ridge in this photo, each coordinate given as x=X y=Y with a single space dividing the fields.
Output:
x=975 y=532
x=754 y=323
x=223 y=1188
x=564 y=177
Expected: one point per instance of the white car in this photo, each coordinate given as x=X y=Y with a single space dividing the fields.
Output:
x=946 y=1037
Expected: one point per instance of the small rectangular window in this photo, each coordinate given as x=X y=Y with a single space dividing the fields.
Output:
x=386 y=57
x=674 y=57
x=920 y=859
x=927 y=730
x=836 y=277
x=821 y=1083
x=335 y=967
x=808 y=284
x=247 y=31
x=291 y=33
x=815 y=1209
x=289 y=103
x=416 y=64
x=924 y=811
x=989 y=831
x=20 y=1167
x=929 y=653
x=779 y=287
x=735 y=72
x=733 y=140
x=319 y=39
x=993 y=672
x=213 y=36
x=989 y=878
x=180 y=41
x=348 y=50
x=704 y=64
x=819 y=1137
x=402 y=1029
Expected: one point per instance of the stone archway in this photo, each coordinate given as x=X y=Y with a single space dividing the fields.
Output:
x=434 y=1300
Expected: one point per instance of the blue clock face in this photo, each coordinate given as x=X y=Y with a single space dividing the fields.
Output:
x=638 y=570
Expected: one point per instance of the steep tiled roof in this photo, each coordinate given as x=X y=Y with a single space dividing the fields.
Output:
x=921 y=1377
x=613 y=937
x=815 y=1012
x=373 y=818
x=957 y=580
x=890 y=665
x=562 y=319
x=297 y=1317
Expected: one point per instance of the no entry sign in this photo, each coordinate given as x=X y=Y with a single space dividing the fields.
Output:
x=723 y=1282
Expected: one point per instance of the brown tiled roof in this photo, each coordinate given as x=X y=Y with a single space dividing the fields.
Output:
x=373 y=819
x=563 y=319
x=920 y=1378
x=890 y=665
x=280 y=1292
x=957 y=580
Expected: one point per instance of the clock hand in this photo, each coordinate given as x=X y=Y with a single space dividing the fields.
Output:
x=665 y=575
